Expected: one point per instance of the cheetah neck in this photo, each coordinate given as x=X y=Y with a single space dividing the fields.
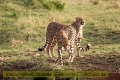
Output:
x=79 y=28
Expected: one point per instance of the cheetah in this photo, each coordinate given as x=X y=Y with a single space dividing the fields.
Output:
x=52 y=32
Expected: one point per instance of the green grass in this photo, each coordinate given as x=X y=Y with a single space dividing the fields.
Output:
x=23 y=27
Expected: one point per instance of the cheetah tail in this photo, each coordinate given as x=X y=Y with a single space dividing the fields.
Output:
x=86 y=48
x=43 y=48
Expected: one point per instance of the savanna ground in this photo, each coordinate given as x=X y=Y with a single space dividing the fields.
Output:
x=23 y=26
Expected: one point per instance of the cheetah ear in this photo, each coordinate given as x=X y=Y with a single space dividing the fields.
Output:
x=77 y=18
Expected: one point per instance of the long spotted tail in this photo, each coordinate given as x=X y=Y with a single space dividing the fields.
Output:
x=43 y=48
x=86 y=48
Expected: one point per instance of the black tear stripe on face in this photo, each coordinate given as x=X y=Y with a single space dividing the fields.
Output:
x=82 y=23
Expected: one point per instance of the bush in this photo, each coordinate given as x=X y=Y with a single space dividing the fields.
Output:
x=36 y=4
x=53 y=5
x=58 y=5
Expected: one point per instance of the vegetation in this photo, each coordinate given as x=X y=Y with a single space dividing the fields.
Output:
x=23 y=26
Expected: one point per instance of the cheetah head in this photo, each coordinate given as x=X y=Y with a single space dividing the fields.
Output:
x=80 y=21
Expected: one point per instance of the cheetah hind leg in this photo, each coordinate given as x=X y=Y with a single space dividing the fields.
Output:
x=52 y=48
x=52 y=52
x=49 y=53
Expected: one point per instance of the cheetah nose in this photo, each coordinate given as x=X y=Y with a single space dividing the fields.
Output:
x=82 y=23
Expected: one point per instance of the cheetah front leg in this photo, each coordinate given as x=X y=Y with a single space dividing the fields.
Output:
x=71 y=57
x=59 y=59
x=78 y=41
x=71 y=53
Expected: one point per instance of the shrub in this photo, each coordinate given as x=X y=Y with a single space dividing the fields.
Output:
x=58 y=5
x=53 y=5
